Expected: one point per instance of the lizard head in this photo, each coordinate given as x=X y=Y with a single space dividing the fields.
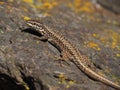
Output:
x=38 y=26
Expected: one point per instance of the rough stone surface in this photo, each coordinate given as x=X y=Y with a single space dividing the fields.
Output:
x=112 y=5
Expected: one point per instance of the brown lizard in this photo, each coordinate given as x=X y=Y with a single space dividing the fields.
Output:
x=67 y=51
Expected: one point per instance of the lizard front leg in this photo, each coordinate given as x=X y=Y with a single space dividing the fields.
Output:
x=42 y=38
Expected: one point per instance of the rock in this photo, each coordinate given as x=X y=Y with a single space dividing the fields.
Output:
x=112 y=5
x=28 y=63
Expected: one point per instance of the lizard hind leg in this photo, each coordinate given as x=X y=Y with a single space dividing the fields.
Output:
x=64 y=56
x=86 y=61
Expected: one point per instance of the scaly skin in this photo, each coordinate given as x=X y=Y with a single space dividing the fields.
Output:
x=68 y=51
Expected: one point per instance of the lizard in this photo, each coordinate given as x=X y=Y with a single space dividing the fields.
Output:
x=67 y=51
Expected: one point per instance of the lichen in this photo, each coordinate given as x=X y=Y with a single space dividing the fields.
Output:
x=92 y=45
x=81 y=6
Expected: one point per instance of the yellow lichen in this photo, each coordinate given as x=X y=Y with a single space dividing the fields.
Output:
x=26 y=18
x=71 y=82
x=114 y=39
x=54 y=3
x=37 y=42
x=95 y=35
x=115 y=78
x=47 y=5
x=93 y=45
x=118 y=54
x=10 y=0
x=110 y=39
x=28 y=1
x=86 y=7
x=81 y=6
x=62 y=78
x=1 y=2
x=102 y=39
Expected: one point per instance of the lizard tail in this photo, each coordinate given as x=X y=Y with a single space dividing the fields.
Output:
x=96 y=76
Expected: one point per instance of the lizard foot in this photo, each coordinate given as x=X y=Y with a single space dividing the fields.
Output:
x=60 y=60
